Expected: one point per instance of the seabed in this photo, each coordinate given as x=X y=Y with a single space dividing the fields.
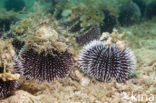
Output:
x=79 y=88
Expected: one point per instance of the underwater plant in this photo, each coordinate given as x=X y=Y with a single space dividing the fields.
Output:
x=85 y=18
x=6 y=19
x=107 y=59
x=16 y=5
x=9 y=77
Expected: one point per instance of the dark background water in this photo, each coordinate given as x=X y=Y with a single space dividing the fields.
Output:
x=101 y=14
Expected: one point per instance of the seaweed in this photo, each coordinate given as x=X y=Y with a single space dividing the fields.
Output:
x=41 y=32
x=89 y=12
x=7 y=54
x=6 y=19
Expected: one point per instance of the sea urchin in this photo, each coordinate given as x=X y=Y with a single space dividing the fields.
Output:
x=7 y=87
x=46 y=67
x=106 y=61
x=9 y=77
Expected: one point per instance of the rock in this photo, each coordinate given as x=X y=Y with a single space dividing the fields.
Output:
x=22 y=97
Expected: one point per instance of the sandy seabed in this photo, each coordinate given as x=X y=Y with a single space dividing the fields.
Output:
x=78 y=88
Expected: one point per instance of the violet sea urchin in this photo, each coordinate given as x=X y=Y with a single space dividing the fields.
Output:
x=9 y=77
x=92 y=34
x=46 y=67
x=104 y=62
x=7 y=87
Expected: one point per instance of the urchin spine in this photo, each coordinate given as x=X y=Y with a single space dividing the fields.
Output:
x=46 y=67
x=104 y=62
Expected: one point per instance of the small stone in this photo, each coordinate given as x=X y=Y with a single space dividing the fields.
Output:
x=21 y=97
x=78 y=74
x=84 y=81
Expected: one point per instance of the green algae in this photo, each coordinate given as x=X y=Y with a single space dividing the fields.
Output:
x=89 y=12
x=41 y=32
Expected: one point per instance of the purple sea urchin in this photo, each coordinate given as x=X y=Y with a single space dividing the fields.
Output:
x=7 y=87
x=47 y=53
x=8 y=75
x=46 y=67
x=106 y=61
x=92 y=34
